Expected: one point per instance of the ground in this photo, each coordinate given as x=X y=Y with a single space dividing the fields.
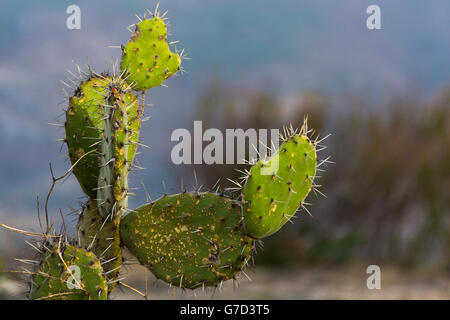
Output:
x=313 y=282
x=308 y=283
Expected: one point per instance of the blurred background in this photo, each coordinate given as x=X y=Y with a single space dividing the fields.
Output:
x=383 y=95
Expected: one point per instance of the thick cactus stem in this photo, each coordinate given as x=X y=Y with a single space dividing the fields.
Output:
x=112 y=186
x=276 y=188
x=189 y=239
x=103 y=119
x=69 y=273
x=147 y=59
x=101 y=236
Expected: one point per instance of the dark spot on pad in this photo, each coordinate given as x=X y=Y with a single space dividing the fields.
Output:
x=136 y=34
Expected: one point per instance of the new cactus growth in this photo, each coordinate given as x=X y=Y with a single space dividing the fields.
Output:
x=147 y=59
x=189 y=239
x=68 y=273
x=276 y=188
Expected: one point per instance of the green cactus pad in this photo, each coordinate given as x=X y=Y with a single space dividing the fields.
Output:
x=53 y=281
x=84 y=127
x=147 y=58
x=272 y=194
x=189 y=239
x=101 y=236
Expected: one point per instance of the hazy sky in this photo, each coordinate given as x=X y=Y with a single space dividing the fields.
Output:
x=290 y=45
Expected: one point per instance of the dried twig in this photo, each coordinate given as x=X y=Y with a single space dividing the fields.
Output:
x=134 y=290
x=54 y=180
x=27 y=233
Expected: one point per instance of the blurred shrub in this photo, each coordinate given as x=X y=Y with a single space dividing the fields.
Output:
x=388 y=195
x=2 y=295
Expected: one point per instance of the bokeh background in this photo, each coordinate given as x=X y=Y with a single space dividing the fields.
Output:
x=383 y=95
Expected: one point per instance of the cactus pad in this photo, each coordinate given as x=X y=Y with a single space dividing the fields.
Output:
x=53 y=281
x=271 y=199
x=147 y=58
x=189 y=239
x=84 y=127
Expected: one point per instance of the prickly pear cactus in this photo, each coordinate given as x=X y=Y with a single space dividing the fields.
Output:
x=147 y=59
x=69 y=273
x=102 y=237
x=277 y=187
x=84 y=127
x=189 y=239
